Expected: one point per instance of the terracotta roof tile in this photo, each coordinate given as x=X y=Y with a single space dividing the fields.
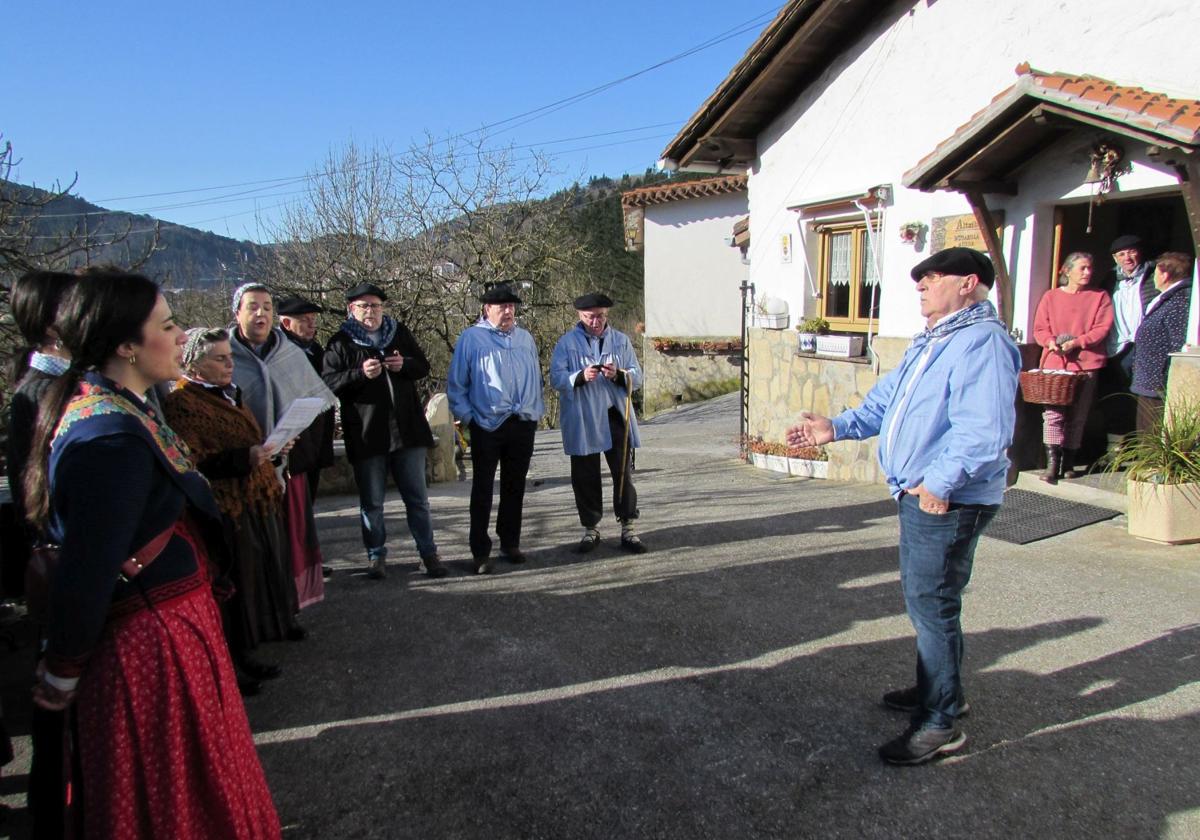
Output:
x=679 y=190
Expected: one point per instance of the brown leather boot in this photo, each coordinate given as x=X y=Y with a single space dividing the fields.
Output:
x=1053 y=463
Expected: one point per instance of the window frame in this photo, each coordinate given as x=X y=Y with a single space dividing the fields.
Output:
x=860 y=247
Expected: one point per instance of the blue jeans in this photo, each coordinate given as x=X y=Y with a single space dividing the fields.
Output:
x=936 y=553
x=407 y=466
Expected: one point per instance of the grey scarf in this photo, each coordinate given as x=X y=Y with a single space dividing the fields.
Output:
x=269 y=385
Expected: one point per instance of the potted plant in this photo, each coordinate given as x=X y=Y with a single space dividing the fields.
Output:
x=809 y=329
x=912 y=231
x=808 y=462
x=767 y=455
x=1162 y=471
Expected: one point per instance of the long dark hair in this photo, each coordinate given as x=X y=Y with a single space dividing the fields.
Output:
x=99 y=313
x=34 y=299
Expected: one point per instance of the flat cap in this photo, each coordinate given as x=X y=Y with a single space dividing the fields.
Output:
x=499 y=293
x=593 y=300
x=1129 y=240
x=364 y=289
x=959 y=262
x=296 y=305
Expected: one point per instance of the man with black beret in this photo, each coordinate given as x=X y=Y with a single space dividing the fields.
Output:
x=495 y=388
x=595 y=371
x=945 y=418
x=373 y=364
x=313 y=449
x=1131 y=284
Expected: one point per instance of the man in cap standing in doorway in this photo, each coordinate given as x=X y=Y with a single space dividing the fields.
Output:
x=373 y=363
x=495 y=387
x=1131 y=285
x=595 y=372
x=945 y=418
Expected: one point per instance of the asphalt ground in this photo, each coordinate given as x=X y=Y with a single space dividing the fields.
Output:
x=726 y=684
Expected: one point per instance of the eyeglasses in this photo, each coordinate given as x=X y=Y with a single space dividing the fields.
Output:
x=368 y=307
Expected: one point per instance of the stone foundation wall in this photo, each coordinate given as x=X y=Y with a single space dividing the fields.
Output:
x=783 y=383
x=674 y=377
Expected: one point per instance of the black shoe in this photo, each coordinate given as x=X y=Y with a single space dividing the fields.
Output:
x=919 y=745
x=377 y=568
x=483 y=565
x=296 y=633
x=633 y=545
x=905 y=700
x=259 y=670
x=326 y=572
x=248 y=687
x=513 y=555
x=589 y=542
x=433 y=565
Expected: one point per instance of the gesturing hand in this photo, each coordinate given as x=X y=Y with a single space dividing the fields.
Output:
x=812 y=430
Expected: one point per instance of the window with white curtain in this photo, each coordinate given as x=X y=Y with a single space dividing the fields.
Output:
x=849 y=279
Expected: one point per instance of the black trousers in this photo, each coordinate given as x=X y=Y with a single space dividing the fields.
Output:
x=511 y=448
x=585 y=478
x=1115 y=400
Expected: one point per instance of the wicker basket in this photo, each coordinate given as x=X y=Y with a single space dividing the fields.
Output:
x=1044 y=387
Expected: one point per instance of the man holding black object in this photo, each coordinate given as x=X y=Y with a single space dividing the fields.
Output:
x=595 y=371
x=373 y=364
x=945 y=419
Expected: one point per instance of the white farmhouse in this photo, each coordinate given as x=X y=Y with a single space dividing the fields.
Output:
x=874 y=133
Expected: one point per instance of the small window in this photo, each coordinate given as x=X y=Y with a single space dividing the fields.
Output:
x=848 y=277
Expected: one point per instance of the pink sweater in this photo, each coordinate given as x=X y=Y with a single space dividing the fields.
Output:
x=1087 y=315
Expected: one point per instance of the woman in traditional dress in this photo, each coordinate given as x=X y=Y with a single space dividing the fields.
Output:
x=206 y=410
x=134 y=636
x=1071 y=324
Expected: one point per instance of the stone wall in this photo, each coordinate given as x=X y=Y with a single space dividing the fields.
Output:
x=784 y=383
x=674 y=377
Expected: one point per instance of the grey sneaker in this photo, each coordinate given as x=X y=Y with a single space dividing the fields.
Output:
x=905 y=700
x=377 y=570
x=919 y=745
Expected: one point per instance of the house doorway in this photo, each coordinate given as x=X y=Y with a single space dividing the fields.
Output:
x=1162 y=224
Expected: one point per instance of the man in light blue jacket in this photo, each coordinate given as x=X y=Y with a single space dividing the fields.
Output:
x=495 y=388
x=595 y=372
x=945 y=417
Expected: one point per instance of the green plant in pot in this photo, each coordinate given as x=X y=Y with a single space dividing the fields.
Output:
x=809 y=329
x=1162 y=470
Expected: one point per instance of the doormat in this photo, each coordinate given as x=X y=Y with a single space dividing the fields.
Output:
x=1026 y=517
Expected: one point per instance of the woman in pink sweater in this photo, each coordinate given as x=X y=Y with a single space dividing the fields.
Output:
x=1072 y=323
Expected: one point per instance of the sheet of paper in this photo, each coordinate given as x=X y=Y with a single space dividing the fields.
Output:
x=296 y=419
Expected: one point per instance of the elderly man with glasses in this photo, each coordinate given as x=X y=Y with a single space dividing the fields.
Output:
x=373 y=364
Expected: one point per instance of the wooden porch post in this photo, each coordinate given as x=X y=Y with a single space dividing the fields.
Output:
x=1189 y=185
x=987 y=228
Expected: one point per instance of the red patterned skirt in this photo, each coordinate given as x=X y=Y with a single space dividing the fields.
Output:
x=164 y=744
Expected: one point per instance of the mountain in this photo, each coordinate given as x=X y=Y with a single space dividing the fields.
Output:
x=182 y=257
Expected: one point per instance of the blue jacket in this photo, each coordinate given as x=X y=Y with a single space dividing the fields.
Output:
x=946 y=413
x=493 y=375
x=584 y=407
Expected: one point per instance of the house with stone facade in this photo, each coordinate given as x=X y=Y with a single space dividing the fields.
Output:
x=692 y=347
x=873 y=134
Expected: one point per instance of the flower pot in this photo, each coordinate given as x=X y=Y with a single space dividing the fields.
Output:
x=759 y=460
x=808 y=342
x=804 y=468
x=771 y=322
x=1165 y=513
x=777 y=463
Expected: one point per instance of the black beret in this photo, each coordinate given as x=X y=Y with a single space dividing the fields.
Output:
x=959 y=262
x=364 y=289
x=500 y=293
x=1123 y=242
x=296 y=306
x=593 y=300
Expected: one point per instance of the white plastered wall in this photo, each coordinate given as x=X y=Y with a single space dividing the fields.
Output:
x=693 y=277
x=921 y=71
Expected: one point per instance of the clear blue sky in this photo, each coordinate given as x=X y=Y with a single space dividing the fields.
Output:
x=143 y=98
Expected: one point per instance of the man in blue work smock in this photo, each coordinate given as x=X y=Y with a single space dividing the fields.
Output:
x=595 y=372
x=495 y=388
x=945 y=420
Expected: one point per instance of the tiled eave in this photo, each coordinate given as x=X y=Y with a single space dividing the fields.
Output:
x=664 y=193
